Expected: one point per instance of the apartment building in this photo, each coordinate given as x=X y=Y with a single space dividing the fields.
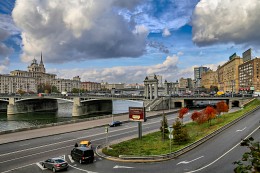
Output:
x=90 y=86
x=228 y=75
x=249 y=75
x=209 y=78
x=28 y=81
x=12 y=84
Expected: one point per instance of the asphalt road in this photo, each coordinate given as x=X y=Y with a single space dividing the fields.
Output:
x=25 y=156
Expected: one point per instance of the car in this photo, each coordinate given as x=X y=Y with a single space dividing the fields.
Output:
x=115 y=123
x=55 y=164
x=85 y=143
x=82 y=154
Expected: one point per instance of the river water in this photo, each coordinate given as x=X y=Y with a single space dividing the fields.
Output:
x=11 y=122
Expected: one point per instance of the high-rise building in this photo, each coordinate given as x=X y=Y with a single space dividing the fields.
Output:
x=197 y=74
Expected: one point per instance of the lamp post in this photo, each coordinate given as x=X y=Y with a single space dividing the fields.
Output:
x=112 y=93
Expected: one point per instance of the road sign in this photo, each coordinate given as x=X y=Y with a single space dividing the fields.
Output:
x=170 y=129
x=170 y=136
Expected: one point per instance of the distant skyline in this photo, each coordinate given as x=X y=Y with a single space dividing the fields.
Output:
x=124 y=41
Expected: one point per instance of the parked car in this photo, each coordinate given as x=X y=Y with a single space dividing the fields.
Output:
x=115 y=123
x=82 y=154
x=55 y=164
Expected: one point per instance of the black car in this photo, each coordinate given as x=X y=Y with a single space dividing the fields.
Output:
x=115 y=123
x=55 y=164
x=82 y=154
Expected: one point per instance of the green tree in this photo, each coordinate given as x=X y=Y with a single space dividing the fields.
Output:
x=180 y=134
x=251 y=159
x=54 y=89
x=164 y=127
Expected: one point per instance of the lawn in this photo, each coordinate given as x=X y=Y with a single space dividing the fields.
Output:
x=152 y=144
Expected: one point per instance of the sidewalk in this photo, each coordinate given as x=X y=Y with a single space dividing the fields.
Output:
x=55 y=129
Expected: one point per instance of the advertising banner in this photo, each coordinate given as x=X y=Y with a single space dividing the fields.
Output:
x=137 y=114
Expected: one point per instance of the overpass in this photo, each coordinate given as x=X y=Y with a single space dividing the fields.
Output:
x=89 y=104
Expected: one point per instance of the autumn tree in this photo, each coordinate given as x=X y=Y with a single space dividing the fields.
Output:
x=180 y=134
x=221 y=107
x=210 y=113
x=199 y=117
x=182 y=112
x=164 y=127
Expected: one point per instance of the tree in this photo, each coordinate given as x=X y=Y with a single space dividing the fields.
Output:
x=221 y=107
x=182 y=112
x=199 y=117
x=251 y=159
x=164 y=127
x=180 y=134
x=210 y=113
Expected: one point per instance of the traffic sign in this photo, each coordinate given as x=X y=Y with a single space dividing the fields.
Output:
x=170 y=136
x=170 y=129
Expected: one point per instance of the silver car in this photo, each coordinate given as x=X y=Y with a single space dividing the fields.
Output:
x=55 y=164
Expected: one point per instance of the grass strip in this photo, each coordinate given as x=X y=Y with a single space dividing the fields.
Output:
x=152 y=144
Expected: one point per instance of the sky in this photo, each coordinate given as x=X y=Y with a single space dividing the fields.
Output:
x=123 y=41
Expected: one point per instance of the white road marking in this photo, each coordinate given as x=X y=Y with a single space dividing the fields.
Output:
x=35 y=154
x=223 y=154
x=185 y=162
x=11 y=170
x=241 y=130
x=117 y=166
x=82 y=169
x=70 y=158
x=83 y=137
x=58 y=137
x=24 y=144
x=40 y=166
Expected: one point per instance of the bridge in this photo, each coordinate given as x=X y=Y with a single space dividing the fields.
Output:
x=88 y=104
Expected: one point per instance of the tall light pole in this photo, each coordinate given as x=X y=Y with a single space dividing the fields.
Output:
x=112 y=93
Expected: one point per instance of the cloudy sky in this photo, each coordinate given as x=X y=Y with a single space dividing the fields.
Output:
x=125 y=40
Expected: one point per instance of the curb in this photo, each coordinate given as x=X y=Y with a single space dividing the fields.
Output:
x=169 y=156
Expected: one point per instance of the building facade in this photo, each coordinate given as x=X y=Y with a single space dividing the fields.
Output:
x=28 y=81
x=249 y=75
x=198 y=73
x=90 y=86
x=209 y=78
x=228 y=80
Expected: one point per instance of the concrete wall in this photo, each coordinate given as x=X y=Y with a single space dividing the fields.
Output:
x=31 y=105
x=91 y=107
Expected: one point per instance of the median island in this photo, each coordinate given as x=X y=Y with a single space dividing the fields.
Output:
x=157 y=144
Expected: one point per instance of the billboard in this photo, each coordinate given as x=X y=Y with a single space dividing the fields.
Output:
x=247 y=55
x=137 y=114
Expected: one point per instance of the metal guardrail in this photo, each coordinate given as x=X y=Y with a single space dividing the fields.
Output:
x=189 y=147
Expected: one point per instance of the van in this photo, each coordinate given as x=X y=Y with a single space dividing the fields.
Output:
x=82 y=154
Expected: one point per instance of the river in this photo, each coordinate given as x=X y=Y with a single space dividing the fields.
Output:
x=11 y=122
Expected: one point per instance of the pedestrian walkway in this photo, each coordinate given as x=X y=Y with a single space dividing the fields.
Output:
x=70 y=127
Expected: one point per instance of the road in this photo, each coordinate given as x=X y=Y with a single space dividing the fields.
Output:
x=25 y=156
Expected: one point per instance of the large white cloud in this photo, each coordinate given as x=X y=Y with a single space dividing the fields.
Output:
x=129 y=74
x=77 y=30
x=224 y=21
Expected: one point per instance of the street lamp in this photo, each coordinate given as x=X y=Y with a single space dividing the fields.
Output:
x=112 y=93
